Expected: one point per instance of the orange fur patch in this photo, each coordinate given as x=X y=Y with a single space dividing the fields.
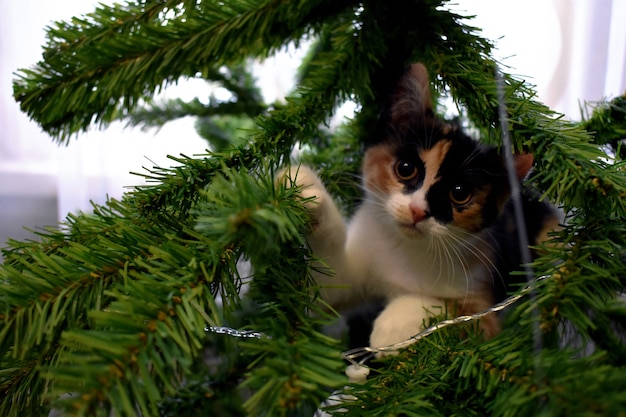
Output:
x=476 y=303
x=433 y=158
x=550 y=225
x=378 y=172
x=470 y=218
x=543 y=237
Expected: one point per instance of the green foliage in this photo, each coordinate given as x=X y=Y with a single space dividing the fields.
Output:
x=113 y=312
x=218 y=121
x=608 y=122
x=447 y=375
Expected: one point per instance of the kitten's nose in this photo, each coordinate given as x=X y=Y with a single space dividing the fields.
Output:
x=418 y=213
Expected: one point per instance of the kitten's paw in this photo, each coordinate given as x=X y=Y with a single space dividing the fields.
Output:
x=402 y=318
x=312 y=190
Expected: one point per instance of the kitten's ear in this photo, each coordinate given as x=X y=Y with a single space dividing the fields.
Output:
x=411 y=99
x=523 y=164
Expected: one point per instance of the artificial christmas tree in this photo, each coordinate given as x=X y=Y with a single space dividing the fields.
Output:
x=138 y=308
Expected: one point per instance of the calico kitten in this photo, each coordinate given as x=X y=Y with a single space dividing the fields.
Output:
x=435 y=229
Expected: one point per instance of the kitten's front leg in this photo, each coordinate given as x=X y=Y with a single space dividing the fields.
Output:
x=327 y=239
x=404 y=317
x=329 y=231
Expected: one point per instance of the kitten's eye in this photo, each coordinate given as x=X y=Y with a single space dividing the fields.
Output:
x=459 y=194
x=405 y=170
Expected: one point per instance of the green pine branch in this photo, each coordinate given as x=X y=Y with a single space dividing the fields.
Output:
x=607 y=120
x=246 y=100
x=90 y=81
x=155 y=305
x=435 y=376
x=221 y=122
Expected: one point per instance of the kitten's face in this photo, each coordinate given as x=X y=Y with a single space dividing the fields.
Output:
x=455 y=184
x=427 y=176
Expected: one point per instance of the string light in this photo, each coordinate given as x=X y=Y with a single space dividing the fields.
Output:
x=357 y=357
x=236 y=333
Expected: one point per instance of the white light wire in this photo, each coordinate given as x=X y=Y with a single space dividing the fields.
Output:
x=364 y=353
x=246 y=334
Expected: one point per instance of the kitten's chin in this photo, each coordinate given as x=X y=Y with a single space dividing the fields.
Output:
x=412 y=229
x=421 y=229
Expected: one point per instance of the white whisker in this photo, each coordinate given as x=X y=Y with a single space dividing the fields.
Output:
x=455 y=258
x=479 y=255
x=485 y=258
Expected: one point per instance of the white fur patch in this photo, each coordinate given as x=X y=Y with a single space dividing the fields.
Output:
x=404 y=317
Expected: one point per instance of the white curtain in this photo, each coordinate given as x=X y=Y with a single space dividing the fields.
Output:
x=592 y=59
x=572 y=50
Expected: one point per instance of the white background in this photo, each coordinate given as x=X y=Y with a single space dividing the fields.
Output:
x=572 y=50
